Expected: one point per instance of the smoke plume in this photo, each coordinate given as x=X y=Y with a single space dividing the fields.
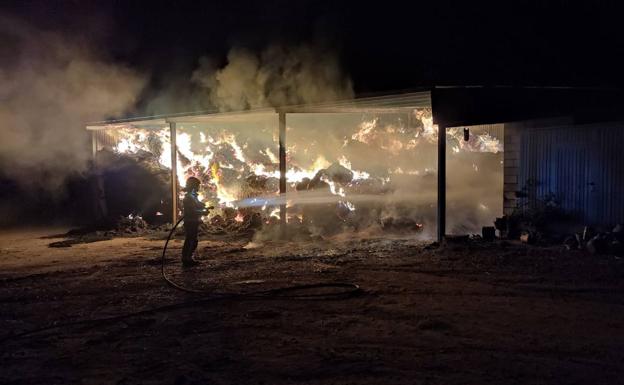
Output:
x=278 y=76
x=51 y=85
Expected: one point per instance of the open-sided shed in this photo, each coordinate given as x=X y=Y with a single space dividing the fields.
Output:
x=523 y=111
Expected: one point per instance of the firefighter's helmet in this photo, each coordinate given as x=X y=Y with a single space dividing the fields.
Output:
x=192 y=183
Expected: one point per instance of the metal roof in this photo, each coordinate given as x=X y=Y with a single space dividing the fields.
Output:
x=386 y=103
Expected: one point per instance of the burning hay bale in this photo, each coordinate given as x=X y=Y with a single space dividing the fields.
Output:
x=337 y=173
x=262 y=184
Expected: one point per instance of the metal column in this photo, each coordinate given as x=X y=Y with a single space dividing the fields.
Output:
x=93 y=145
x=99 y=193
x=282 y=164
x=441 y=181
x=174 y=172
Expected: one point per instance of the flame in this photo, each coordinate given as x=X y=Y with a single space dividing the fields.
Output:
x=271 y=155
x=336 y=190
x=399 y=171
x=296 y=218
x=237 y=149
x=365 y=133
x=344 y=162
x=430 y=130
x=275 y=213
x=214 y=171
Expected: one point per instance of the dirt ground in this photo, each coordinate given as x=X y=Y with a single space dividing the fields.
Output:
x=463 y=313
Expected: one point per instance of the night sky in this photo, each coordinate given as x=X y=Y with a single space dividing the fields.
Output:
x=382 y=46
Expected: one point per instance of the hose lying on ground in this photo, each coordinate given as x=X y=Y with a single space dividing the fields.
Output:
x=349 y=289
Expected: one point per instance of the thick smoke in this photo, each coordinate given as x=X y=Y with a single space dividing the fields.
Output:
x=50 y=86
x=276 y=77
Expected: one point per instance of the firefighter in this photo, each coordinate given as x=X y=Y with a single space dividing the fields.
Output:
x=194 y=209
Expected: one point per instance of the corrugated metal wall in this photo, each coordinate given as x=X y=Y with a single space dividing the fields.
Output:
x=581 y=166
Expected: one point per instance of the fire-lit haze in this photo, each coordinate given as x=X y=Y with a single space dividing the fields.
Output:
x=277 y=75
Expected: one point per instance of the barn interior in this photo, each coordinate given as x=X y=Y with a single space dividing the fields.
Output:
x=359 y=166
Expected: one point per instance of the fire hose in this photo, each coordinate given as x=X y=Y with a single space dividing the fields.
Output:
x=347 y=289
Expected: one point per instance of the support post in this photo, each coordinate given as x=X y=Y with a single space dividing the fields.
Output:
x=282 y=165
x=441 y=181
x=174 y=172
x=100 y=209
x=93 y=145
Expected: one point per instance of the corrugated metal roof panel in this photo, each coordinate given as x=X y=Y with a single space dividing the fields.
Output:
x=378 y=103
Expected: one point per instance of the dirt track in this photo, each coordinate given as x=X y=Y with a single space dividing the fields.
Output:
x=466 y=313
